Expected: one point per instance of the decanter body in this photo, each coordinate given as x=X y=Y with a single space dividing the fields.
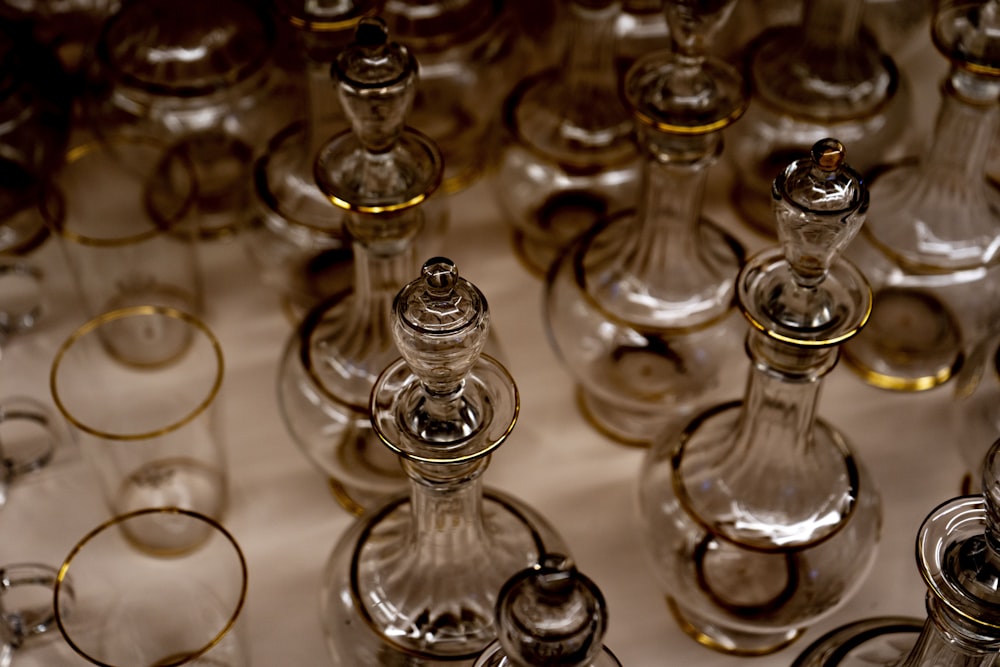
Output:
x=416 y=580
x=640 y=307
x=958 y=559
x=568 y=156
x=201 y=76
x=825 y=77
x=932 y=246
x=550 y=614
x=298 y=240
x=757 y=516
x=380 y=174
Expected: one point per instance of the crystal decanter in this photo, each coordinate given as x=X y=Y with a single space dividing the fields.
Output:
x=826 y=76
x=958 y=555
x=415 y=581
x=297 y=240
x=200 y=76
x=380 y=173
x=550 y=615
x=932 y=246
x=757 y=516
x=568 y=155
x=640 y=308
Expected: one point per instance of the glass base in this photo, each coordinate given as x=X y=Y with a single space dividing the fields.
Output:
x=911 y=343
x=626 y=427
x=869 y=643
x=728 y=640
x=354 y=499
x=535 y=256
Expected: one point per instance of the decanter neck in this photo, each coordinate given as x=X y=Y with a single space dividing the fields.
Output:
x=381 y=268
x=831 y=25
x=946 y=642
x=961 y=139
x=588 y=64
x=447 y=510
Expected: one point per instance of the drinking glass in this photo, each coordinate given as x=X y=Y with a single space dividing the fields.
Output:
x=134 y=608
x=141 y=385
x=124 y=212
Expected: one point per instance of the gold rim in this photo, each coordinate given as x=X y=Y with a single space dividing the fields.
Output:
x=121 y=519
x=712 y=643
x=135 y=311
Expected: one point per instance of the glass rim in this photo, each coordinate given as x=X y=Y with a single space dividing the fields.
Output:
x=118 y=520
x=93 y=325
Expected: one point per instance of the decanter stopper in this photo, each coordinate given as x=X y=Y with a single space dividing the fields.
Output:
x=819 y=205
x=552 y=615
x=379 y=166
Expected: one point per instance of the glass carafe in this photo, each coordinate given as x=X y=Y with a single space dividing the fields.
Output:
x=550 y=615
x=932 y=245
x=568 y=156
x=958 y=559
x=298 y=240
x=640 y=308
x=757 y=516
x=200 y=76
x=825 y=77
x=415 y=581
x=380 y=174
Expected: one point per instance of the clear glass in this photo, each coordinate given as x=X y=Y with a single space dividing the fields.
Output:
x=640 y=28
x=958 y=559
x=380 y=174
x=976 y=406
x=825 y=77
x=640 y=308
x=26 y=616
x=200 y=76
x=470 y=53
x=126 y=603
x=297 y=238
x=550 y=615
x=758 y=518
x=568 y=156
x=932 y=248
x=142 y=388
x=415 y=581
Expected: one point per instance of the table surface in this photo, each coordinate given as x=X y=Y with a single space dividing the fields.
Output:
x=286 y=520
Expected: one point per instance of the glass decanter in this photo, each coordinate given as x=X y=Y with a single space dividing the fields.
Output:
x=297 y=240
x=757 y=517
x=640 y=308
x=958 y=557
x=640 y=28
x=932 y=246
x=568 y=156
x=415 y=581
x=470 y=54
x=380 y=173
x=198 y=75
x=550 y=615
x=826 y=77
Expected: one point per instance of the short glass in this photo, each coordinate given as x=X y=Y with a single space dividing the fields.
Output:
x=141 y=386
x=132 y=607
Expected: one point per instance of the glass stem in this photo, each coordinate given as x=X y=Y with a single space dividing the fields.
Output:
x=961 y=141
x=448 y=524
x=588 y=65
x=831 y=35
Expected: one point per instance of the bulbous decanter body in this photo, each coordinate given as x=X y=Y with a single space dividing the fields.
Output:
x=415 y=581
x=550 y=615
x=757 y=516
x=470 y=53
x=826 y=77
x=640 y=308
x=380 y=173
x=932 y=246
x=298 y=241
x=567 y=156
x=957 y=555
x=200 y=76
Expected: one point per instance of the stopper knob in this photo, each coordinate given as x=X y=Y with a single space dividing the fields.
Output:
x=551 y=615
x=440 y=326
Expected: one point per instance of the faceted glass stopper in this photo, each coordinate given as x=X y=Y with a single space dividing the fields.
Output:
x=820 y=204
x=379 y=166
x=551 y=615
x=441 y=324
